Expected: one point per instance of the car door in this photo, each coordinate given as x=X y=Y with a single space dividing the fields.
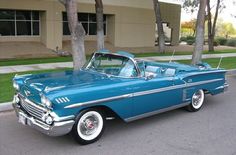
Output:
x=156 y=94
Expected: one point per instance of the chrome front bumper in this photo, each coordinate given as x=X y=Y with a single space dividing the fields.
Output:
x=58 y=128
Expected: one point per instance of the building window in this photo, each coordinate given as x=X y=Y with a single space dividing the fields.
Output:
x=88 y=21
x=19 y=23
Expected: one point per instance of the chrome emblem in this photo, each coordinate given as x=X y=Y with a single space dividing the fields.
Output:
x=27 y=93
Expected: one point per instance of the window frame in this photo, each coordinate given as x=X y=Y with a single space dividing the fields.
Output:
x=84 y=22
x=17 y=20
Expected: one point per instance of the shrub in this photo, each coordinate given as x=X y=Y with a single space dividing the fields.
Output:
x=190 y=38
x=183 y=38
x=190 y=41
x=222 y=40
x=216 y=42
x=231 y=42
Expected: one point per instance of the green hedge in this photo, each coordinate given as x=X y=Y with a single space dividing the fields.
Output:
x=190 y=41
x=222 y=40
x=216 y=42
x=183 y=39
x=231 y=42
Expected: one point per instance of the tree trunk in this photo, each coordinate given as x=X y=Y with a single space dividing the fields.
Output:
x=209 y=24
x=198 y=48
x=77 y=34
x=160 y=31
x=100 y=30
x=211 y=28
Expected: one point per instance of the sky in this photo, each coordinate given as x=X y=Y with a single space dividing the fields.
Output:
x=226 y=14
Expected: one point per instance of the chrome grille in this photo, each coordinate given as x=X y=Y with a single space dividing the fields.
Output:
x=31 y=108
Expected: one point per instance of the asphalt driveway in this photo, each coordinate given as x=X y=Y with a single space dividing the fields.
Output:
x=211 y=131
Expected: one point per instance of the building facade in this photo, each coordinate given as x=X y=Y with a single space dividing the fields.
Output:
x=127 y=23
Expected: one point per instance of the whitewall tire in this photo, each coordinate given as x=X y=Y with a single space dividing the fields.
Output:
x=88 y=127
x=197 y=101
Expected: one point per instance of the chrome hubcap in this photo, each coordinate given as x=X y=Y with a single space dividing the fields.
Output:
x=90 y=125
x=197 y=99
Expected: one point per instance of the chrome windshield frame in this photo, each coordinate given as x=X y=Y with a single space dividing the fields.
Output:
x=116 y=54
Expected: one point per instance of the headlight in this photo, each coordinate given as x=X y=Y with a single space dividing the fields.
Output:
x=16 y=85
x=49 y=120
x=45 y=101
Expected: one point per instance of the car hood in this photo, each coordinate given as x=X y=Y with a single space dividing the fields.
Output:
x=55 y=81
x=70 y=84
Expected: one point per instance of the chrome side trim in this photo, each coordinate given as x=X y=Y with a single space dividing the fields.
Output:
x=99 y=101
x=158 y=90
x=141 y=93
x=156 y=112
x=174 y=87
x=206 y=72
x=203 y=82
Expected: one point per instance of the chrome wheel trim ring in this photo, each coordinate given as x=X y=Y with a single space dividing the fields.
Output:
x=197 y=99
x=90 y=125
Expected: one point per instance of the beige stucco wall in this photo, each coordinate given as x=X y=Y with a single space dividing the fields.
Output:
x=171 y=14
x=127 y=26
x=51 y=26
x=130 y=23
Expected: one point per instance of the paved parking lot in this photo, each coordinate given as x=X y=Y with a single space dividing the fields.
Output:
x=211 y=131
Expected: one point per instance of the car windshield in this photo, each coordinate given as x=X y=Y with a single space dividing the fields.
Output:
x=111 y=64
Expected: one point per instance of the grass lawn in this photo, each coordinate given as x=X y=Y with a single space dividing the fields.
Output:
x=7 y=91
x=13 y=62
x=6 y=88
x=227 y=63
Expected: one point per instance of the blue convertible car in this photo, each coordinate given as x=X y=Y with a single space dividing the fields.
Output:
x=110 y=85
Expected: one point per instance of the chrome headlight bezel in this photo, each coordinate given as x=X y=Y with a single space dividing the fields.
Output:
x=45 y=101
x=16 y=85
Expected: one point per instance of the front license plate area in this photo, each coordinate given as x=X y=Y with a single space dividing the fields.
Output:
x=22 y=119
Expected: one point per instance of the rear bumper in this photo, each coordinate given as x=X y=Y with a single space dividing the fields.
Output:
x=58 y=128
x=226 y=86
x=222 y=88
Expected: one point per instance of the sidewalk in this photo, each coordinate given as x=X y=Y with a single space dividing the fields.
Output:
x=23 y=68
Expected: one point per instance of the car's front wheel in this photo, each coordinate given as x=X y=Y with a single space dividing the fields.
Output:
x=88 y=127
x=197 y=101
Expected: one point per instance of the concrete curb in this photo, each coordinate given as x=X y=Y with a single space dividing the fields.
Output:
x=8 y=105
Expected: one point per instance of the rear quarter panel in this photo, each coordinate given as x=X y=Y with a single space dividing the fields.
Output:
x=209 y=81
